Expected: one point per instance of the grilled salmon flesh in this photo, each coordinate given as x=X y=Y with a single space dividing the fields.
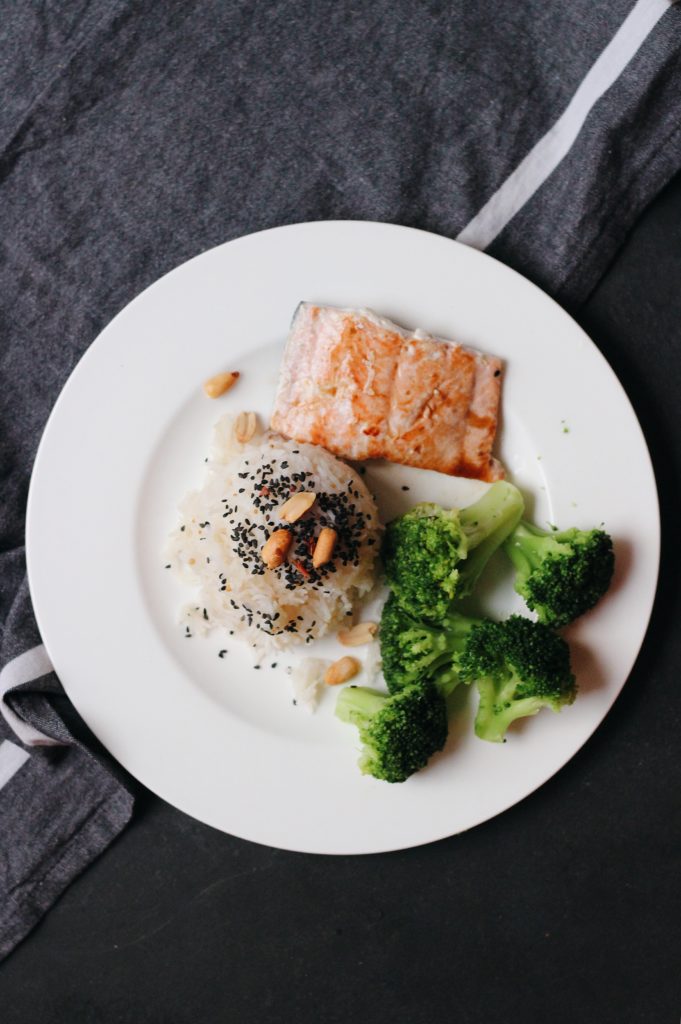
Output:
x=364 y=388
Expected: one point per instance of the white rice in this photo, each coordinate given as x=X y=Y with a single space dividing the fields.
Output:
x=216 y=546
x=307 y=681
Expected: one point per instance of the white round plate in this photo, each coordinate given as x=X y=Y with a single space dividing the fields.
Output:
x=127 y=438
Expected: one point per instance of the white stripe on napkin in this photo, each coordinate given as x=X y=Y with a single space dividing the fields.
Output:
x=30 y=665
x=11 y=759
x=543 y=159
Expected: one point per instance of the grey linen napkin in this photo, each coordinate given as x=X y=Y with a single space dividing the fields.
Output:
x=133 y=136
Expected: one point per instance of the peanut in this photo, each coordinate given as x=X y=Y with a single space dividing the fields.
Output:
x=221 y=382
x=362 y=633
x=244 y=426
x=342 y=670
x=296 y=506
x=323 y=549
x=276 y=548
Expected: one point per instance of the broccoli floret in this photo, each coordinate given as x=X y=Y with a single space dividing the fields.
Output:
x=399 y=732
x=412 y=651
x=560 y=575
x=434 y=555
x=519 y=667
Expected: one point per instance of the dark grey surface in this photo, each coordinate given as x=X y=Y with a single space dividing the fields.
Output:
x=563 y=909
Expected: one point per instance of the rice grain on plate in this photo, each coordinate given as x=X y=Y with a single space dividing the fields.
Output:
x=217 y=546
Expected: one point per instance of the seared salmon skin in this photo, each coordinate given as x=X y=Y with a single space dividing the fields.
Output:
x=364 y=388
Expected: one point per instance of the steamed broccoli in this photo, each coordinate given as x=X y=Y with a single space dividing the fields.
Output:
x=434 y=555
x=562 y=574
x=412 y=651
x=519 y=667
x=399 y=732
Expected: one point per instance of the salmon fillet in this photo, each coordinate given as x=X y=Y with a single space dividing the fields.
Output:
x=364 y=388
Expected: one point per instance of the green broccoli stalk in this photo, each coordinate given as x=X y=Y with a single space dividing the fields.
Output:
x=412 y=651
x=519 y=667
x=434 y=556
x=399 y=732
x=560 y=575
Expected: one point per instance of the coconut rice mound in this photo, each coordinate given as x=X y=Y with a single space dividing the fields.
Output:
x=216 y=547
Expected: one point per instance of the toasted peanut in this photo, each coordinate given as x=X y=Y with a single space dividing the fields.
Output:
x=221 y=382
x=276 y=548
x=323 y=549
x=244 y=426
x=342 y=670
x=296 y=506
x=362 y=633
